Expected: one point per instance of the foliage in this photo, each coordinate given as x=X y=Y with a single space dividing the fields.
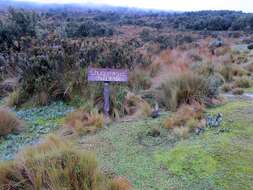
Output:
x=139 y=79
x=185 y=88
x=20 y=23
x=42 y=79
x=87 y=29
x=237 y=91
x=229 y=71
x=243 y=82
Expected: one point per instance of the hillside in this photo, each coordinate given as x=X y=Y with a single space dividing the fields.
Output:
x=183 y=120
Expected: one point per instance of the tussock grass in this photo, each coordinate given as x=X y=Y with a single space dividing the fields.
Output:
x=243 y=82
x=183 y=88
x=9 y=123
x=136 y=106
x=186 y=116
x=14 y=98
x=83 y=122
x=55 y=165
x=140 y=79
x=229 y=71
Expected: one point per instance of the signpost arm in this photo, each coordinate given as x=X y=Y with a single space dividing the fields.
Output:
x=106 y=99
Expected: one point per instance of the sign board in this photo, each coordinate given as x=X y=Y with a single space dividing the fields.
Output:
x=107 y=75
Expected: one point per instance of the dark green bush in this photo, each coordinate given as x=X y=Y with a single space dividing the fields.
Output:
x=88 y=29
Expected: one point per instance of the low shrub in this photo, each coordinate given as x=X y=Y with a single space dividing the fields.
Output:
x=139 y=80
x=243 y=82
x=185 y=115
x=229 y=71
x=54 y=165
x=137 y=107
x=82 y=122
x=227 y=87
x=237 y=91
x=214 y=82
x=204 y=68
x=249 y=67
x=14 y=98
x=185 y=88
x=9 y=123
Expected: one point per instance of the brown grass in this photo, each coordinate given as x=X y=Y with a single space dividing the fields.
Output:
x=54 y=165
x=227 y=87
x=82 y=122
x=120 y=183
x=14 y=98
x=229 y=71
x=237 y=91
x=249 y=67
x=243 y=82
x=184 y=114
x=139 y=79
x=9 y=123
x=137 y=107
x=183 y=88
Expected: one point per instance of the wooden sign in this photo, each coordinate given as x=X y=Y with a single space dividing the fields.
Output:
x=106 y=76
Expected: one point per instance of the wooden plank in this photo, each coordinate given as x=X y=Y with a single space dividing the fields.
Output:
x=107 y=75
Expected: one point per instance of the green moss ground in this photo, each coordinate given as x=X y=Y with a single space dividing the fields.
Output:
x=216 y=159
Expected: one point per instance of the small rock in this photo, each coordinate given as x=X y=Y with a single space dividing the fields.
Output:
x=67 y=133
x=216 y=43
x=154 y=133
x=250 y=46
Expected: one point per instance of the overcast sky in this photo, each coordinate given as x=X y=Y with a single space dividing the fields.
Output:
x=177 y=5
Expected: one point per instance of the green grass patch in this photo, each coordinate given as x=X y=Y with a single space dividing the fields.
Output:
x=216 y=160
x=249 y=90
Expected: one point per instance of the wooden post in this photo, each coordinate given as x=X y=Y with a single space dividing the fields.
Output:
x=107 y=76
x=106 y=99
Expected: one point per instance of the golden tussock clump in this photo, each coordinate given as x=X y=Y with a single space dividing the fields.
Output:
x=136 y=106
x=83 y=122
x=9 y=123
x=56 y=165
x=183 y=88
x=187 y=116
x=120 y=183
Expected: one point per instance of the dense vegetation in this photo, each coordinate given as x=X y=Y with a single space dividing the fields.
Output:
x=48 y=52
x=179 y=65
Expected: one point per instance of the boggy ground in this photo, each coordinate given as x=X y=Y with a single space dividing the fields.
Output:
x=220 y=158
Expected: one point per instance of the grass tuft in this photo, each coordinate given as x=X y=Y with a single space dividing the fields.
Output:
x=183 y=88
x=9 y=123
x=82 y=122
x=53 y=165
